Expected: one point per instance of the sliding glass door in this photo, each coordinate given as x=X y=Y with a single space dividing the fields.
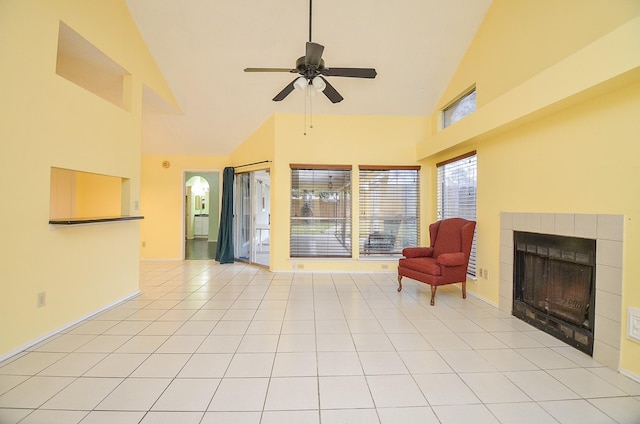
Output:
x=252 y=217
x=242 y=217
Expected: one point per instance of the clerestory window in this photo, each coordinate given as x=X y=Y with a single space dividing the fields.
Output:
x=459 y=109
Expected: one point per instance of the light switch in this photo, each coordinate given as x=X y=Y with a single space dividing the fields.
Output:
x=633 y=324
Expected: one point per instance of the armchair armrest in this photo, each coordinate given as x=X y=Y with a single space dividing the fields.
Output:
x=417 y=252
x=451 y=259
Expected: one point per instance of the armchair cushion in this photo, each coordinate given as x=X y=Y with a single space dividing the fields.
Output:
x=423 y=265
x=452 y=259
x=417 y=252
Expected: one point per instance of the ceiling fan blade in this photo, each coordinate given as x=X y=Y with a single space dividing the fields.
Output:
x=331 y=92
x=350 y=72
x=314 y=54
x=285 y=92
x=269 y=70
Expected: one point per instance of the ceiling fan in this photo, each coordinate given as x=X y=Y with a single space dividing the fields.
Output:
x=312 y=72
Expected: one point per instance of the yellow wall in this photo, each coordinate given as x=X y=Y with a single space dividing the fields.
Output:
x=62 y=194
x=162 y=233
x=97 y=195
x=363 y=140
x=556 y=128
x=162 y=202
x=47 y=122
x=333 y=140
x=518 y=39
x=257 y=148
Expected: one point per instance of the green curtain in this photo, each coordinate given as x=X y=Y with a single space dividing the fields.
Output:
x=224 y=249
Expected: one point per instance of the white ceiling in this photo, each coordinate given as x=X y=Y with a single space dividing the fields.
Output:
x=202 y=47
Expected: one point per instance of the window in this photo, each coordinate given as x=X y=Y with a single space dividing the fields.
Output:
x=320 y=211
x=457 y=182
x=389 y=209
x=459 y=109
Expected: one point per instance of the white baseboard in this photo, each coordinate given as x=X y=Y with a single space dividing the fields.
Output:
x=477 y=296
x=34 y=342
x=162 y=260
x=627 y=373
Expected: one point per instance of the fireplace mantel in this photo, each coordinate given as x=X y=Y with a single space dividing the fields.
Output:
x=608 y=232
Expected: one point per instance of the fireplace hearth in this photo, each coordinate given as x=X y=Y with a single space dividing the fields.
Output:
x=554 y=286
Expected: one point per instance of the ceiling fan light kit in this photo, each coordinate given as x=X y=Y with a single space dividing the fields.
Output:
x=319 y=84
x=301 y=83
x=312 y=71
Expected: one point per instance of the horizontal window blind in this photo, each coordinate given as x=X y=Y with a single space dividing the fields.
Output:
x=457 y=182
x=389 y=210
x=320 y=223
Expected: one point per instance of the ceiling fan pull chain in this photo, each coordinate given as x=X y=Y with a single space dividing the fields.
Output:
x=310 y=106
x=305 y=111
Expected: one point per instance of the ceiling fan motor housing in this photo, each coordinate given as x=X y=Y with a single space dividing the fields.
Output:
x=307 y=70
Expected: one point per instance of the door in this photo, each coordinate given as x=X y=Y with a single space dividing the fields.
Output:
x=201 y=213
x=242 y=217
x=252 y=226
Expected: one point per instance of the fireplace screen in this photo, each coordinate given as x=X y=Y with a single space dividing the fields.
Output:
x=554 y=285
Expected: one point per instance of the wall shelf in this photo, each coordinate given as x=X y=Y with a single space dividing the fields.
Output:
x=77 y=221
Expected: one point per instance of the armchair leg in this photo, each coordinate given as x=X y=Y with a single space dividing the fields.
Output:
x=464 y=289
x=433 y=294
x=399 y=282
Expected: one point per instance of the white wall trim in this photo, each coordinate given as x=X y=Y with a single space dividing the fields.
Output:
x=34 y=342
x=162 y=260
x=477 y=296
x=629 y=374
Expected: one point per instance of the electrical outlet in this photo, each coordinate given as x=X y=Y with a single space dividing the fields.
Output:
x=42 y=299
x=633 y=324
x=486 y=274
x=144 y=244
x=385 y=266
x=480 y=272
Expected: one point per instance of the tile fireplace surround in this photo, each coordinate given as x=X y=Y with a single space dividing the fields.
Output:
x=608 y=232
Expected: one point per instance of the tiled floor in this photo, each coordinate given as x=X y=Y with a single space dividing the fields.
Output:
x=208 y=343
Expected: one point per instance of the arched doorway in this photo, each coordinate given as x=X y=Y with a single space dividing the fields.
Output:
x=202 y=214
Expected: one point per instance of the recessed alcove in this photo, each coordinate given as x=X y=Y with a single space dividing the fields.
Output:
x=85 y=65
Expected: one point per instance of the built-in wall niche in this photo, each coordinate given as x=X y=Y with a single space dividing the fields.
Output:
x=85 y=65
x=80 y=197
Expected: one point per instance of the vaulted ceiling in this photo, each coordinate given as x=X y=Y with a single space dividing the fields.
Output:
x=202 y=47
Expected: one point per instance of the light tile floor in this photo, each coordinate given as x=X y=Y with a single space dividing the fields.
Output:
x=208 y=343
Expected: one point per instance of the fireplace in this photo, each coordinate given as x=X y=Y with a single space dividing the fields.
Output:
x=608 y=232
x=554 y=285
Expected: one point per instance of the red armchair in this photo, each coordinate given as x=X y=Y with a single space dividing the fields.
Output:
x=446 y=261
